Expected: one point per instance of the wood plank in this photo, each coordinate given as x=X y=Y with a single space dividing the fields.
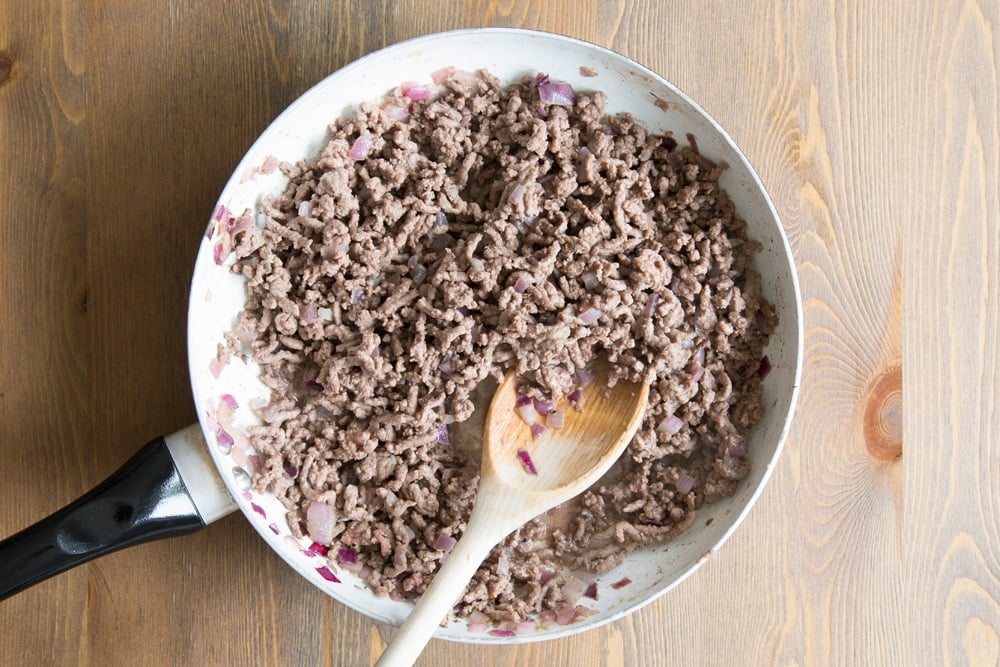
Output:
x=875 y=128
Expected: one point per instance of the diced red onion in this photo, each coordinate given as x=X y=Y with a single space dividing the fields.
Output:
x=327 y=574
x=442 y=435
x=520 y=285
x=621 y=583
x=242 y=224
x=590 y=316
x=536 y=431
x=305 y=208
x=503 y=565
x=415 y=91
x=356 y=568
x=291 y=472
x=651 y=305
x=698 y=374
x=591 y=591
x=543 y=407
x=540 y=80
x=225 y=440
x=396 y=112
x=700 y=356
x=274 y=528
x=357 y=294
x=675 y=283
x=250 y=174
x=320 y=519
x=575 y=396
x=220 y=212
x=445 y=542
x=465 y=77
x=555 y=419
x=347 y=556
x=229 y=400
x=546 y=576
x=360 y=148
x=523 y=399
x=670 y=425
x=217 y=253
x=516 y=194
x=565 y=615
x=309 y=313
x=476 y=626
x=684 y=483
x=526 y=411
x=737 y=450
x=526 y=461
x=258 y=509
x=441 y=75
x=255 y=464
x=584 y=376
x=526 y=627
x=477 y=616
x=502 y=633
x=590 y=280
x=556 y=92
x=270 y=164
x=764 y=368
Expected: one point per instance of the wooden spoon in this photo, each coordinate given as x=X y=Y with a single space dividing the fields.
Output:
x=567 y=461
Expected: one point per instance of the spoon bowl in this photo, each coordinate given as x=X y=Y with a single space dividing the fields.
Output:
x=521 y=477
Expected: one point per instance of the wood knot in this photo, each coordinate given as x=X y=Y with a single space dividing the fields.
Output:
x=883 y=422
x=6 y=67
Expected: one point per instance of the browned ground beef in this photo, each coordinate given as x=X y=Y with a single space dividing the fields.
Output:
x=469 y=241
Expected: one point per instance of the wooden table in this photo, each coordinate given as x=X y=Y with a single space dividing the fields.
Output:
x=874 y=126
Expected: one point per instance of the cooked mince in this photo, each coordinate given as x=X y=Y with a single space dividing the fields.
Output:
x=423 y=255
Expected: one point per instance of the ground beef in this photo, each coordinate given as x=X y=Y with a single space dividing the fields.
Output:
x=415 y=261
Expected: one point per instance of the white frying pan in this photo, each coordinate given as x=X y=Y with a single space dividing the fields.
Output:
x=179 y=483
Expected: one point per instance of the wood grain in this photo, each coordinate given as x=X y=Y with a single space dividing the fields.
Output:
x=875 y=128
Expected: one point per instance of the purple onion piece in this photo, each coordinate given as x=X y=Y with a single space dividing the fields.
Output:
x=684 y=483
x=590 y=316
x=621 y=583
x=526 y=462
x=536 y=431
x=556 y=92
x=445 y=542
x=347 y=556
x=543 y=407
x=327 y=574
x=360 y=148
x=555 y=419
x=670 y=425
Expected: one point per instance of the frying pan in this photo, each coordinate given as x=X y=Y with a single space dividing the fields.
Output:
x=183 y=482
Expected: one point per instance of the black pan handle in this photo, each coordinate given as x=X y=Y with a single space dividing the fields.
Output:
x=146 y=499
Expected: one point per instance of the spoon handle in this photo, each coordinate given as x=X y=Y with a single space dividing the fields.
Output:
x=482 y=533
